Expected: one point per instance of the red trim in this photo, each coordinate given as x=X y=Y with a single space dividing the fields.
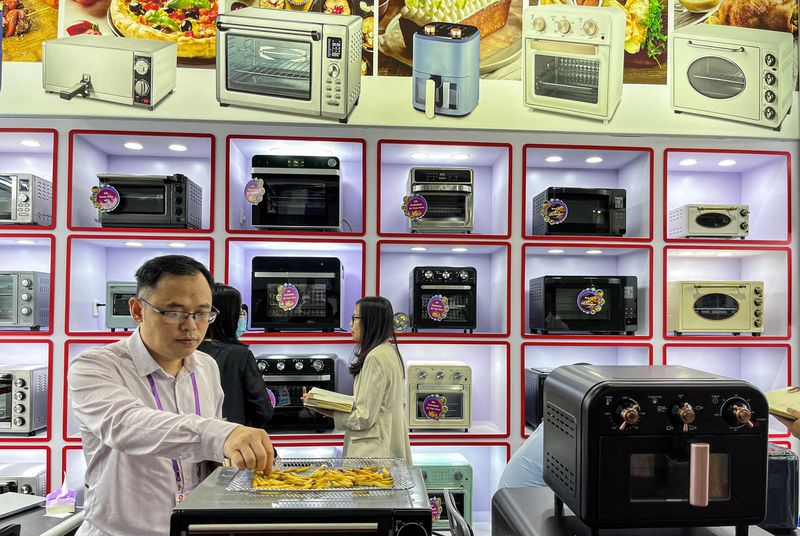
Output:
x=688 y=336
x=410 y=336
x=48 y=467
x=49 y=432
x=54 y=201
x=525 y=220
x=730 y=151
x=523 y=317
x=464 y=237
x=786 y=347
x=784 y=444
x=70 y=162
x=233 y=137
x=146 y=239
x=282 y=335
x=49 y=330
x=523 y=431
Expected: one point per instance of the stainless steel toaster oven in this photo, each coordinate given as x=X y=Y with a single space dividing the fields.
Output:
x=25 y=199
x=447 y=197
x=24 y=299
x=118 y=312
x=162 y=201
x=23 y=399
x=25 y=478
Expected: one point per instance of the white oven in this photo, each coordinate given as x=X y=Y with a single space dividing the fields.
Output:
x=439 y=395
x=715 y=307
x=709 y=220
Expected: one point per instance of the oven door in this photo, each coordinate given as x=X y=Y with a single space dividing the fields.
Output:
x=591 y=305
x=460 y=301
x=716 y=221
x=318 y=302
x=289 y=412
x=9 y=304
x=449 y=207
x=436 y=498
x=6 y=400
x=716 y=308
x=142 y=203
x=8 y=199
x=306 y=200
x=580 y=212
x=441 y=406
x=713 y=77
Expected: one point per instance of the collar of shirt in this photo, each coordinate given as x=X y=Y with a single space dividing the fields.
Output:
x=144 y=362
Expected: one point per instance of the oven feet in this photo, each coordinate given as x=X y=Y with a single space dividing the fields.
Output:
x=558 y=507
x=742 y=530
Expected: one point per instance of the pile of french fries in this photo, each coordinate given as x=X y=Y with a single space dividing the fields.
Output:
x=324 y=478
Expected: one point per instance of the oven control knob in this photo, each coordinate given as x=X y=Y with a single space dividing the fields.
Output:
x=427 y=274
x=280 y=365
x=463 y=275
x=770 y=60
x=757 y=291
x=538 y=24
x=422 y=375
x=25 y=283
x=262 y=366
x=440 y=375
x=318 y=365
x=563 y=26
x=19 y=395
x=457 y=375
x=757 y=302
x=25 y=311
x=19 y=383
x=757 y=312
x=19 y=408
x=737 y=412
x=590 y=27
x=23 y=198
x=628 y=414
x=412 y=529
x=446 y=275
x=458 y=476
x=744 y=212
x=25 y=296
x=683 y=414
x=26 y=489
x=141 y=88
x=744 y=225
x=757 y=322
x=141 y=67
x=19 y=421
x=298 y=365
x=333 y=70
x=769 y=112
x=769 y=96
x=770 y=79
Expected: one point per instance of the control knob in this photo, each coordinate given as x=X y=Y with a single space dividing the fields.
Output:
x=628 y=414
x=25 y=311
x=770 y=60
x=744 y=212
x=757 y=291
x=455 y=33
x=445 y=275
x=318 y=365
x=458 y=476
x=463 y=275
x=141 y=88
x=429 y=29
x=457 y=375
x=683 y=414
x=538 y=24
x=737 y=413
x=757 y=312
x=427 y=274
x=25 y=296
x=25 y=283
x=440 y=375
x=422 y=375
x=769 y=96
x=19 y=421
x=744 y=225
x=298 y=365
x=757 y=302
x=26 y=489
x=19 y=408
x=19 y=383
x=333 y=69
x=770 y=79
x=757 y=322
x=769 y=112
x=262 y=366
x=141 y=67
x=590 y=27
x=19 y=395
x=280 y=365
x=23 y=198
x=563 y=26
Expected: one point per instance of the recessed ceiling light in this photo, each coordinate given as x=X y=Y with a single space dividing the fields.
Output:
x=459 y=156
x=459 y=250
x=419 y=156
x=134 y=146
x=176 y=245
x=687 y=162
x=419 y=249
x=177 y=147
x=30 y=143
x=594 y=160
x=594 y=251
x=725 y=254
x=134 y=244
x=26 y=242
x=555 y=251
x=553 y=159
x=728 y=162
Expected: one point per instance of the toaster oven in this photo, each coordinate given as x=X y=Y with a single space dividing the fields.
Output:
x=163 y=201
x=715 y=307
x=709 y=221
x=663 y=446
x=579 y=211
x=446 y=472
x=439 y=395
x=25 y=199
x=23 y=399
x=118 y=312
x=448 y=195
x=443 y=297
x=24 y=299
x=534 y=395
x=288 y=61
x=25 y=478
x=128 y=71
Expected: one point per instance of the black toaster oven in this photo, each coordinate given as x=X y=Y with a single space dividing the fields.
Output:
x=534 y=395
x=443 y=297
x=579 y=211
x=664 y=446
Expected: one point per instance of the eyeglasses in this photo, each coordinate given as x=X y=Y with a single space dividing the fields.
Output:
x=179 y=317
x=354 y=318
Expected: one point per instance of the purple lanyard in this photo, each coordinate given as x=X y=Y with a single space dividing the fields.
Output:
x=175 y=466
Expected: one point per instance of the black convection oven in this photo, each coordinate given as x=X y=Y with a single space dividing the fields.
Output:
x=579 y=211
x=162 y=201
x=443 y=297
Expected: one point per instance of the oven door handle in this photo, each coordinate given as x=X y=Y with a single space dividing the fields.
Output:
x=224 y=27
x=715 y=47
x=293 y=171
x=441 y=188
x=272 y=378
x=298 y=528
x=699 y=454
x=719 y=286
x=701 y=208
x=445 y=287
x=433 y=388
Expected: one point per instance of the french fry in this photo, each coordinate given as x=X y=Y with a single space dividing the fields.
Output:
x=324 y=478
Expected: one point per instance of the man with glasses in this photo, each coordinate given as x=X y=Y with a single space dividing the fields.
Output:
x=150 y=406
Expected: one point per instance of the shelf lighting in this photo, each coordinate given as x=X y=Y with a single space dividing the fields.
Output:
x=30 y=143
x=728 y=162
x=134 y=244
x=178 y=148
x=594 y=251
x=555 y=251
x=685 y=253
x=458 y=250
x=553 y=159
x=419 y=156
x=419 y=249
x=26 y=242
x=594 y=160
x=459 y=156
x=688 y=162
x=134 y=146
x=176 y=245
x=725 y=254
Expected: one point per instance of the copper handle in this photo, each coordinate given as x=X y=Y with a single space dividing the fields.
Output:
x=698 y=474
x=743 y=415
x=629 y=416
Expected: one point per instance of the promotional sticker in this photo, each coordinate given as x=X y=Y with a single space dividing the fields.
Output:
x=415 y=207
x=436 y=508
x=554 y=211
x=288 y=296
x=105 y=199
x=591 y=301
x=437 y=308
x=272 y=399
x=435 y=407
x=254 y=191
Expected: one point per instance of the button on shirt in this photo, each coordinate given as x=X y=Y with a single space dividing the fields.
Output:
x=129 y=444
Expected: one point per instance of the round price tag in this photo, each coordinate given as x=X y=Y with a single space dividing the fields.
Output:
x=287 y=297
x=254 y=191
x=105 y=199
x=415 y=207
x=438 y=307
x=591 y=301
x=554 y=211
x=435 y=407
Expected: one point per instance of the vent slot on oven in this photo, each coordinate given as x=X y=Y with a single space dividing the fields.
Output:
x=560 y=471
x=562 y=422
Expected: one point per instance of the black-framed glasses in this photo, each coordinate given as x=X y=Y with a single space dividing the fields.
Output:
x=179 y=317
x=354 y=318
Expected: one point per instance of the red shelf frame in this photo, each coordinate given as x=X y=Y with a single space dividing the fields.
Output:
x=49 y=330
x=145 y=239
x=49 y=433
x=633 y=239
x=410 y=336
x=465 y=237
x=731 y=338
x=723 y=240
x=48 y=465
x=551 y=336
x=54 y=209
x=122 y=133
x=232 y=137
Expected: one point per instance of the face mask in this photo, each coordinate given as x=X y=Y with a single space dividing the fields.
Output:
x=241 y=327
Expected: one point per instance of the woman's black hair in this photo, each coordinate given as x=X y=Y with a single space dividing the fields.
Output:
x=377 y=326
x=228 y=302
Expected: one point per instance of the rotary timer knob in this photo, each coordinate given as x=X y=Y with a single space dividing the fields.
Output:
x=262 y=366
x=19 y=395
x=628 y=414
x=457 y=375
x=564 y=26
x=141 y=67
x=427 y=274
x=19 y=383
x=24 y=197
x=25 y=311
x=298 y=365
x=25 y=282
x=317 y=365
x=440 y=375
x=25 y=296
x=736 y=412
x=684 y=414
x=446 y=275
x=590 y=27
x=26 y=489
x=422 y=375
x=19 y=421
x=141 y=88
x=280 y=365
x=538 y=24
x=463 y=275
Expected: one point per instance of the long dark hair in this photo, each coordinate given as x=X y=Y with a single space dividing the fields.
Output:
x=229 y=303
x=377 y=326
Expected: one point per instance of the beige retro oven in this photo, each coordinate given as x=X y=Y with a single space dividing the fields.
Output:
x=709 y=221
x=439 y=395
x=715 y=307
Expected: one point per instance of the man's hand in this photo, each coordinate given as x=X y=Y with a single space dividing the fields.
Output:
x=249 y=448
x=792 y=425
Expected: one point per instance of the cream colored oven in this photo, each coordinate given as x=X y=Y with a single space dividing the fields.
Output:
x=439 y=395
x=573 y=59
x=709 y=221
x=715 y=307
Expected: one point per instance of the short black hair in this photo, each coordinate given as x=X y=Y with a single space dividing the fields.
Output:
x=152 y=271
x=228 y=301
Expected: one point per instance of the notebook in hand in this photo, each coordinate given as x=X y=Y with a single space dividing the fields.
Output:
x=783 y=398
x=324 y=399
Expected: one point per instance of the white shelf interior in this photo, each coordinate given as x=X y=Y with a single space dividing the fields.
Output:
x=764 y=367
x=629 y=170
x=769 y=266
x=575 y=261
x=106 y=153
x=491 y=262
x=546 y=356
x=18 y=158
x=490 y=173
x=351 y=166
x=756 y=180
x=73 y=350
x=76 y=470
x=95 y=261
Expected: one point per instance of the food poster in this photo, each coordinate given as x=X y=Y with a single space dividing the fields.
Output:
x=26 y=25
x=499 y=21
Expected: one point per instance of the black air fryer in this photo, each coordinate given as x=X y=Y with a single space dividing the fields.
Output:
x=534 y=395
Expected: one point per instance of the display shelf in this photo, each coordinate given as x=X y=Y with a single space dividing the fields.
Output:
x=773 y=266
x=25 y=252
x=93 y=260
x=73 y=348
x=73 y=466
x=33 y=151
x=139 y=153
x=759 y=179
x=21 y=352
x=767 y=366
x=491 y=260
x=352 y=155
x=577 y=166
x=574 y=259
x=238 y=273
x=26 y=454
x=549 y=355
x=491 y=164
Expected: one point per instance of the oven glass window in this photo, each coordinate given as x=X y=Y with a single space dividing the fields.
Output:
x=582 y=303
x=459 y=304
x=446 y=207
x=120 y=305
x=140 y=199
x=8 y=304
x=266 y=66
x=290 y=200
x=716 y=78
x=7 y=209
x=663 y=478
x=588 y=210
x=453 y=401
x=438 y=497
x=716 y=306
x=5 y=400
x=713 y=220
x=288 y=395
x=574 y=79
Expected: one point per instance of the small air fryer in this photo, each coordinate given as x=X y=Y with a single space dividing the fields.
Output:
x=446 y=69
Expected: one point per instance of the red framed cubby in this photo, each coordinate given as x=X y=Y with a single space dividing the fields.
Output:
x=36 y=262
x=48 y=344
x=5 y=458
